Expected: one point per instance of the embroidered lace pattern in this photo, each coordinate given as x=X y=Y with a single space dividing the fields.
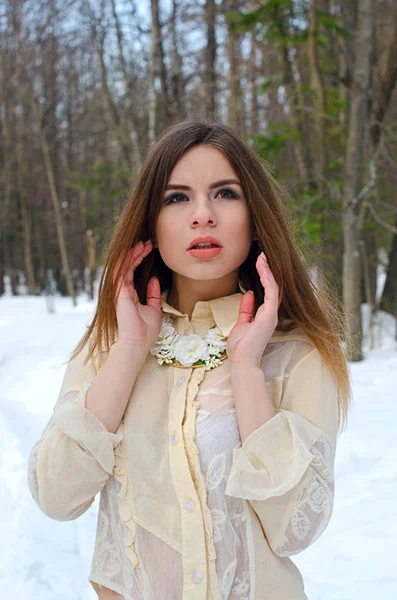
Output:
x=216 y=435
x=313 y=507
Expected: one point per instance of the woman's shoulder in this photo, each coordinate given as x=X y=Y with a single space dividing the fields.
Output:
x=296 y=334
x=284 y=351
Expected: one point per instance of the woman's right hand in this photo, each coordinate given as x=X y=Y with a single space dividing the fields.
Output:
x=138 y=324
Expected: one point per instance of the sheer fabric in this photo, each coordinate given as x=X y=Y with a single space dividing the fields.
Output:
x=254 y=504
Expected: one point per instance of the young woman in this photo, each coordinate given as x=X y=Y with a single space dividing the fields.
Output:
x=205 y=398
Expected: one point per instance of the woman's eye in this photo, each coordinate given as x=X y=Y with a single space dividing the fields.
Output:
x=230 y=192
x=170 y=199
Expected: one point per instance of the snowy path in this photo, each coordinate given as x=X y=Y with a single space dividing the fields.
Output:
x=355 y=559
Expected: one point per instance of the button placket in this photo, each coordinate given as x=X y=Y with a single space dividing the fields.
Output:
x=193 y=556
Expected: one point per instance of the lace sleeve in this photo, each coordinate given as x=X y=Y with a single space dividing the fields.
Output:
x=285 y=467
x=313 y=507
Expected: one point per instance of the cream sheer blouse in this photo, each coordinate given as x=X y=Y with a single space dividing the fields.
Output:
x=186 y=511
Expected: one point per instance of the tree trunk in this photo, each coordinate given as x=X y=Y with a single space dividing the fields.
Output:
x=130 y=123
x=210 y=55
x=236 y=117
x=8 y=154
x=388 y=301
x=26 y=210
x=368 y=296
x=57 y=212
x=385 y=78
x=354 y=164
x=369 y=281
x=152 y=104
x=158 y=70
x=252 y=77
x=98 y=34
x=27 y=246
x=2 y=265
x=301 y=148
x=178 y=85
x=91 y=262
x=385 y=72
x=41 y=271
x=320 y=103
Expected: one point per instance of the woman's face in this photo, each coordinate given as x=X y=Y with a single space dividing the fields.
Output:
x=200 y=205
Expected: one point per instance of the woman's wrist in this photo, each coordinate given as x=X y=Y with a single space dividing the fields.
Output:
x=136 y=350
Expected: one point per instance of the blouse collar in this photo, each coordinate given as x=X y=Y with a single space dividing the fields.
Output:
x=222 y=312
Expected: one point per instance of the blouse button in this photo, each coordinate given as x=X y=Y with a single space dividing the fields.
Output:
x=197 y=577
x=181 y=380
x=189 y=505
x=172 y=439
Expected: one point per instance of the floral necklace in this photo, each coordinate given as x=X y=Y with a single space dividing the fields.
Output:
x=189 y=351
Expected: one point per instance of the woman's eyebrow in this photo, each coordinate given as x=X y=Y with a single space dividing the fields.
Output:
x=174 y=186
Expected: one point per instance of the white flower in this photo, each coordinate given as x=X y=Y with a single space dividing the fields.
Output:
x=188 y=349
x=215 y=336
x=216 y=340
x=165 y=338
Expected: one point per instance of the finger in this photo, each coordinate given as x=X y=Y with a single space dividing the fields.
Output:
x=270 y=304
x=120 y=273
x=131 y=261
x=153 y=297
x=125 y=261
x=135 y=261
x=268 y=280
x=264 y=266
x=267 y=277
x=246 y=310
x=142 y=252
x=271 y=294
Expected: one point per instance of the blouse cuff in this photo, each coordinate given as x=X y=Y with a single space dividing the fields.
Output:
x=82 y=426
x=273 y=458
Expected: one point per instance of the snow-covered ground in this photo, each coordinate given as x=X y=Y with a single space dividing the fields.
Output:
x=354 y=559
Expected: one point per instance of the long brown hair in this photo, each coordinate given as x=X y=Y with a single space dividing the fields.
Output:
x=303 y=304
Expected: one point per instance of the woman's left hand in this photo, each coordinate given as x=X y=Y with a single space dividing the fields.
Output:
x=248 y=340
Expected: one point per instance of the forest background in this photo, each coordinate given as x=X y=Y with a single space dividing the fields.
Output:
x=86 y=86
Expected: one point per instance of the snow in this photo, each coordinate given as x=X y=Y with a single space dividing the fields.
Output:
x=354 y=559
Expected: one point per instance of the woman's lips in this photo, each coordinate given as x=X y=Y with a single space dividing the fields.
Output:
x=204 y=252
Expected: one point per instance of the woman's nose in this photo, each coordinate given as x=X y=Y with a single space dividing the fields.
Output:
x=203 y=213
